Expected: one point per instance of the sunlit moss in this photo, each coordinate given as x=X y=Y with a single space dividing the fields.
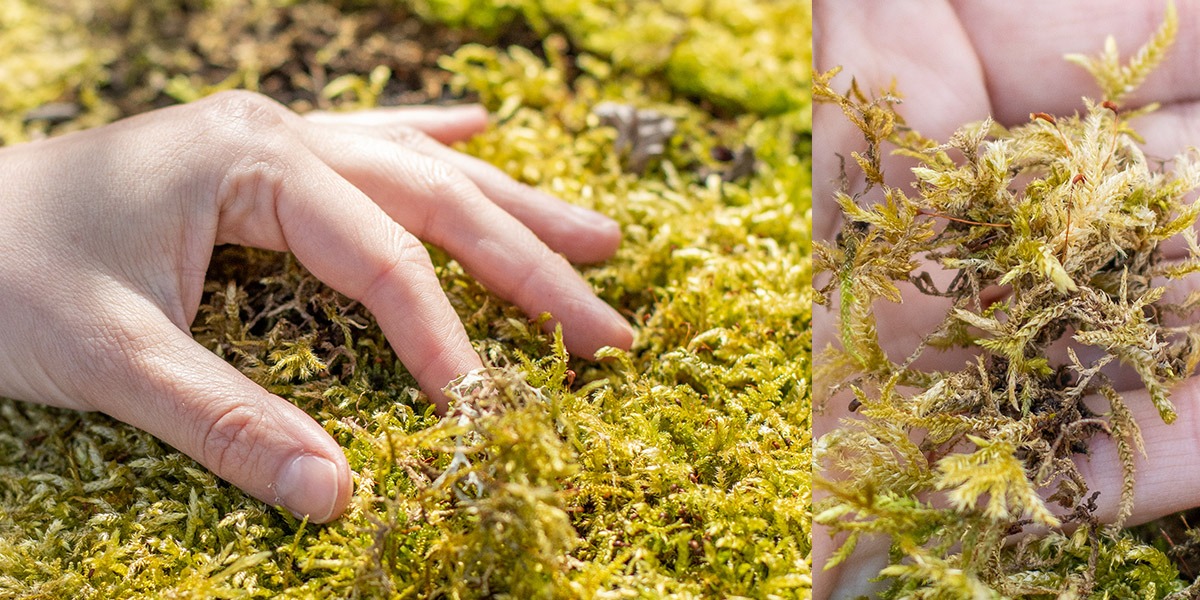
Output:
x=45 y=55
x=751 y=56
x=680 y=469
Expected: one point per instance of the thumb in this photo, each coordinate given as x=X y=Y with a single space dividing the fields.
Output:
x=165 y=383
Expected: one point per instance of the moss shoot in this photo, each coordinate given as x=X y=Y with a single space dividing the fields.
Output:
x=680 y=469
x=960 y=469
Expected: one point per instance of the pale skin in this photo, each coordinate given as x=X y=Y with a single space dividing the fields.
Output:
x=107 y=234
x=957 y=62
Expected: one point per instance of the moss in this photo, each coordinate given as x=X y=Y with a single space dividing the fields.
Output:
x=45 y=56
x=679 y=469
x=735 y=55
x=1066 y=216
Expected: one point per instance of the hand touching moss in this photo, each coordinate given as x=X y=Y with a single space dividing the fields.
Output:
x=107 y=234
x=960 y=62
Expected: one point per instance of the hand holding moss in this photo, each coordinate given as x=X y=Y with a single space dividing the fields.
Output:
x=959 y=63
x=107 y=233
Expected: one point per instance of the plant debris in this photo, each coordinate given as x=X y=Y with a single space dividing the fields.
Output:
x=641 y=134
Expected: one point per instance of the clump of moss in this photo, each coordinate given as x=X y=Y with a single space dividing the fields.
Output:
x=680 y=469
x=735 y=55
x=1065 y=216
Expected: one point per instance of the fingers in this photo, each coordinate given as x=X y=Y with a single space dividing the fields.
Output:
x=446 y=124
x=1168 y=477
x=1007 y=49
x=937 y=74
x=282 y=195
x=854 y=577
x=167 y=384
x=300 y=189
x=582 y=235
x=440 y=205
x=348 y=242
x=902 y=328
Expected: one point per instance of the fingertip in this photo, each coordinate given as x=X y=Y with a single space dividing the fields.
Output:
x=622 y=340
x=315 y=479
x=434 y=383
x=345 y=483
x=474 y=112
x=622 y=333
x=608 y=328
x=601 y=236
x=446 y=124
x=441 y=402
x=345 y=486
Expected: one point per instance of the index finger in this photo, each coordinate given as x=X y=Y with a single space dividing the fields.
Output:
x=582 y=235
x=443 y=206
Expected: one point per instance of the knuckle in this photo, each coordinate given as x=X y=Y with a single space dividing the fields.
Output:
x=229 y=444
x=443 y=181
x=528 y=291
x=411 y=253
x=240 y=117
x=243 y=144
x=244 y=107
x=407 y=136
x=405 y=253
x=438 y=358
x=409 y=248
x=253 y=181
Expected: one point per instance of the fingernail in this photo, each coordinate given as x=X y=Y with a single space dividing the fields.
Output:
x=593 y=219
x=309 y=486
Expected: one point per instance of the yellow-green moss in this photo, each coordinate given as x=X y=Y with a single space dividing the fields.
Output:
x=740 y=56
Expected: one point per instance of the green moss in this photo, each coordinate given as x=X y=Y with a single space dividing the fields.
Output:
x=679 y=469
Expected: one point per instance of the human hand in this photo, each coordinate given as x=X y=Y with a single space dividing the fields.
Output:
x=106 y=236
x=959 y=62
